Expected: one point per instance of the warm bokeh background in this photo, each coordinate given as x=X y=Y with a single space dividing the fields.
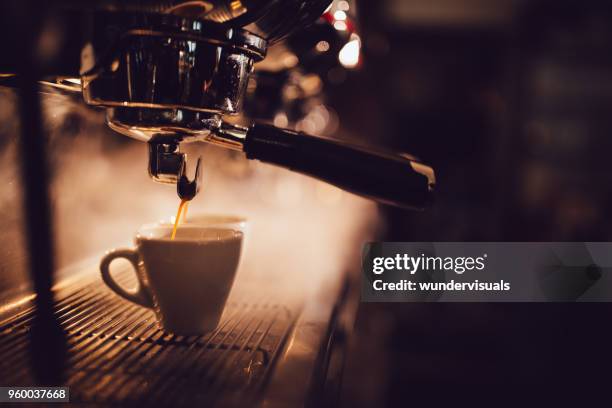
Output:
x=510 y=102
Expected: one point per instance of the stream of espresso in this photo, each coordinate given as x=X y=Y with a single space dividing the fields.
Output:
x=181 y=213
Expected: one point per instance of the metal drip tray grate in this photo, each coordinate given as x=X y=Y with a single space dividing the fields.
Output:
x=117 y=354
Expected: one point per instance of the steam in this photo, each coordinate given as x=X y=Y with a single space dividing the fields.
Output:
x=301 y=231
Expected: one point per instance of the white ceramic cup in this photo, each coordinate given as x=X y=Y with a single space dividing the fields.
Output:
x=185 y=280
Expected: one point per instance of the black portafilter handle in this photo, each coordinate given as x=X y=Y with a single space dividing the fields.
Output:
x=382 y=176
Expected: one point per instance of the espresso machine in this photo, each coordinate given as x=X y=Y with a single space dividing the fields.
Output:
x=170 y=72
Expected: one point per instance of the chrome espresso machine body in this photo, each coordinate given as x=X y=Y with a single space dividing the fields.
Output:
x=169 y=72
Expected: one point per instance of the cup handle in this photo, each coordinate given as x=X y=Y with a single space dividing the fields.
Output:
x=139 y=296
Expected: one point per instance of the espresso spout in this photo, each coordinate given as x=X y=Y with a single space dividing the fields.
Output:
x=188 y=189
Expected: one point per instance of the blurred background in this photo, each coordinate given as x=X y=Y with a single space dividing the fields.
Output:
x=509 y=101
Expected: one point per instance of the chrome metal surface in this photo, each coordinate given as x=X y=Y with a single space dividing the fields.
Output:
x=274 y=19
x=303 y=364
x=424 y=170
x=118 y=356
x=166 y=163
x=168 y=63
x=169 y=78
x=229 y=136
x=177 y=124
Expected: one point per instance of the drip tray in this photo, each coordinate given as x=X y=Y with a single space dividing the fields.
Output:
x=118 y=356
